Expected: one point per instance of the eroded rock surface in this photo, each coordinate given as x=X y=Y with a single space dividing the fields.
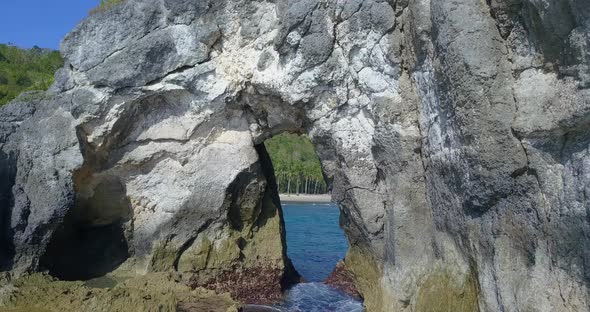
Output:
x=453 y=133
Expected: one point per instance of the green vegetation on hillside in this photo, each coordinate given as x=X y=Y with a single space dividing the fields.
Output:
x=297 y=167
x=109 y=2
x=25 y=70
x=105 y=5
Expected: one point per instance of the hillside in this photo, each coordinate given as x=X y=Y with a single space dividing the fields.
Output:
x=26 y=70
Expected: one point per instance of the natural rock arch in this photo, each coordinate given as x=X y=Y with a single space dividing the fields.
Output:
x=454 y=182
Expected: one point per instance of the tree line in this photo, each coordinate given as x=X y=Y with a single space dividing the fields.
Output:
x=26 y=70
x=297 y=167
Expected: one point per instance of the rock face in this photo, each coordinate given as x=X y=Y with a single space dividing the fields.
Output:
x=453 y=133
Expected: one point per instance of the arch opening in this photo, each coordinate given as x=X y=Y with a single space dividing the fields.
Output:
x=315 y=241
x=152 y=200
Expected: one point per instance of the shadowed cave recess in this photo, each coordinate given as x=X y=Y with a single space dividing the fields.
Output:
x=93 y=239
x=92 y=242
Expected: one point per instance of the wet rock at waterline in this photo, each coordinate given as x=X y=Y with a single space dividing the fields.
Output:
x=454 y=135
x=342 y=280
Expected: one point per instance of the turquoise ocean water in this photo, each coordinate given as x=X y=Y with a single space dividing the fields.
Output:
x=315 y=243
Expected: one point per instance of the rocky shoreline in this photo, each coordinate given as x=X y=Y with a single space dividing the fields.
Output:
x=154 y=292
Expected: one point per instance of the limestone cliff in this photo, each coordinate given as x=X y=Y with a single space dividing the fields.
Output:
x=453 y=133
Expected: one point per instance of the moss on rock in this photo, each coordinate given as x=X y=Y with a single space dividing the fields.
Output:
x=367 y=274
x=263 y=245
x=252 y=244
x=196 y=257
x=445 y=291
x=225 y=253
x=151 y=292
x=163 y=258
x=247 y=256
x=441 y=291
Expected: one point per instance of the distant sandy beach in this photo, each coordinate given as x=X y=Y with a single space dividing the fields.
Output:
x=306 y=198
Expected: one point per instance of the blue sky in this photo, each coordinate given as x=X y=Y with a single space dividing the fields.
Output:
x=44 y=23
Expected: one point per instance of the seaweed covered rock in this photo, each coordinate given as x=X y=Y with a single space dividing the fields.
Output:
x=152 y=292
